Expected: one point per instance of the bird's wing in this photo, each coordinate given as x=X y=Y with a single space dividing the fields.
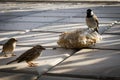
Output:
x=32 y=56
x=25 y=55
x=96 y=19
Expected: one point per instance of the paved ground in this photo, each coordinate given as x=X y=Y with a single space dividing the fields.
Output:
x=81 y=1
x=35 y=23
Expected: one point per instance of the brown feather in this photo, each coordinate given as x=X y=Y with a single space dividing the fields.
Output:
x=9 y=46
x=30 y=54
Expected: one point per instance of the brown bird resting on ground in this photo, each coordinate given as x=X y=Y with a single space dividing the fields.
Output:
x=92 y=20
x=9 y=47
x=29 y=55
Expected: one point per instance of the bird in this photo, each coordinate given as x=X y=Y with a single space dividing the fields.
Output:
x=9 y=47
x=29 y=55
x=92 y=20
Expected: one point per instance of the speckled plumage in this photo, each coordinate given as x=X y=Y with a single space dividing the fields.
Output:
x=9 y=47
x=29 y=55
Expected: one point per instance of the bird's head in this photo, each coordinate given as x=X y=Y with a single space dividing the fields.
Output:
x=12 y=40
x=89 y=13
x=39 y=47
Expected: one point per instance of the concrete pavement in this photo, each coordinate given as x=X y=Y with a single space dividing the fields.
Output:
x=68 y=1
x=43 y=24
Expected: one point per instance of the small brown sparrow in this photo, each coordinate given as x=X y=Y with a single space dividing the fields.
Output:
x=29 y=55
x=9 y=47
x=92 y=20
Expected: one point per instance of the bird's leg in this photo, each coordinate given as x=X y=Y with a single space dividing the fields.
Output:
x=88 y=28
x=13 y=54
x=96 y=29
x=94 y=44
x=5 y=55
x=31 y=64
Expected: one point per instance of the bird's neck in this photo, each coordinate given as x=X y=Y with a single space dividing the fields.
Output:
x=89 y=16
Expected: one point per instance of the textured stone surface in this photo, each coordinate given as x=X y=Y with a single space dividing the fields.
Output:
x=114 y=30
x=48 y=59
x=111 y=39
x=16 y=76
x=109 y=42
x=61 y=78
x=91 y=62
x=19 y=25
x=45 y=20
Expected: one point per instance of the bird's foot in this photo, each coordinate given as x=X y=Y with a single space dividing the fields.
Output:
x=32 y=64
x=54 y=48
x=5 y=55
x=13 y=54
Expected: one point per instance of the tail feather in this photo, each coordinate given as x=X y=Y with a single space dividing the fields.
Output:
x=11 y=61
